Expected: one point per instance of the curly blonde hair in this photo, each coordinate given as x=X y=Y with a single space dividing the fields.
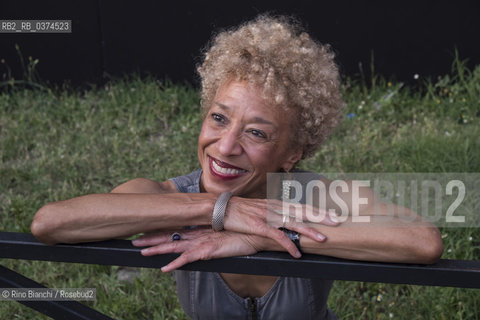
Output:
x=291 y=70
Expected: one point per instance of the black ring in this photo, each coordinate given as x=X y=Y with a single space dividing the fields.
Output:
x=176 y=236
x=293 y=236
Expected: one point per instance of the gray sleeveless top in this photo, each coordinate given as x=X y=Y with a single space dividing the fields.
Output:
x=204 y=295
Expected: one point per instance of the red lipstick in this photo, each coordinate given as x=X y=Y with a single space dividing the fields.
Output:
x=223 y=170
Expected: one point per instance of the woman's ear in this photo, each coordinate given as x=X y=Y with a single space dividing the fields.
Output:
x=292 y=159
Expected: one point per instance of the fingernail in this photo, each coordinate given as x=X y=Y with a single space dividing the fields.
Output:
x=320 y=237
x=166 y=269
x=298 y=255
x=145 y=251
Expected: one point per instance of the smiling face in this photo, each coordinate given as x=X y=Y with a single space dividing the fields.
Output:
x=242 y=139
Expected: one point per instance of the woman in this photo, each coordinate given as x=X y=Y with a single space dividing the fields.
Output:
x=270 y=96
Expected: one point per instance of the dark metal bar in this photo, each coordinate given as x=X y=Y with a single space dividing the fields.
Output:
x=56 y=309
x=449 y=273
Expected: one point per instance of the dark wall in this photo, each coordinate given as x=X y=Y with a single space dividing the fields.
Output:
x=76 y=56
x=112 y=37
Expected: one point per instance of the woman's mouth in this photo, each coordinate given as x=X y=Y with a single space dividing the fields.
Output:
x=224 y=170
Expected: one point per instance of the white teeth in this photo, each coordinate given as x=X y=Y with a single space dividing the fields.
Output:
x=227 y=171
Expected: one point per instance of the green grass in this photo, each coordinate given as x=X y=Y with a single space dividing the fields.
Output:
x=59 y=143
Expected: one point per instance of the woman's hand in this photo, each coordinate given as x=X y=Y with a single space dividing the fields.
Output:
x=263 y=217
x=199 y=244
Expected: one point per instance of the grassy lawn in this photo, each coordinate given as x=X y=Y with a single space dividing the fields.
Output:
x=57 y=144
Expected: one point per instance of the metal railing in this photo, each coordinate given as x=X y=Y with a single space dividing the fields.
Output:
x=448 y=273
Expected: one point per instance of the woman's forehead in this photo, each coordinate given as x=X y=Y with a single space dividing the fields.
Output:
x=243 y=97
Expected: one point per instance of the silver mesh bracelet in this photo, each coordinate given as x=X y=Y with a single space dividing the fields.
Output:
x=219 y=211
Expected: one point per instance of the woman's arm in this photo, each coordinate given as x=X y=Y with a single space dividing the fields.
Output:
x=140 y=205
x=388 y=241
x=374 y=230
x=393 y=234
x=394 y=242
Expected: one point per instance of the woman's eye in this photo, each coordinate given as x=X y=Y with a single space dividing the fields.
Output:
x=258 y=133
x=217 y=117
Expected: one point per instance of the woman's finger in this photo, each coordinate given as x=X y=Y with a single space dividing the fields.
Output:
x=284 y=241
x=152 y=239
x=166 y=236
x=170 y=247
x=298 y=226
x=305 y=230
x=183 y=259
x=322 y=216
x=191 y=238
x=301 y=213
x=219 y=245
x=209 y=245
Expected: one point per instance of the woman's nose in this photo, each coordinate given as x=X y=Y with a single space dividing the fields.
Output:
x=229 y=143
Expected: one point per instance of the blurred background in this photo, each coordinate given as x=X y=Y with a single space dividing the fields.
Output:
x=59 y=142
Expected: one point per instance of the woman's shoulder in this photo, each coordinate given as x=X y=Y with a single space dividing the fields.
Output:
x=189 y=183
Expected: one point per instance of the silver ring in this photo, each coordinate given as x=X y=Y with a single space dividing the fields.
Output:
x=286 y=218
x=176 y=236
